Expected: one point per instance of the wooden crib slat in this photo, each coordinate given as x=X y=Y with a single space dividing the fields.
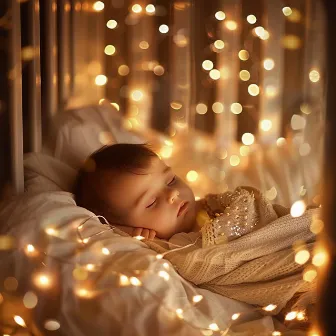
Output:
x=34 y=96
x=15 y=99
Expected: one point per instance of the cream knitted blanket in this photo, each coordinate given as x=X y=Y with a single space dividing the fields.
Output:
x=245 y=250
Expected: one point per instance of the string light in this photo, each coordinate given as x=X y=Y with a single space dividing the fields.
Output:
x=244 y=150
x=304 y=149
x=295 y=16
x=276 y=333
x=243 y=55
x=314 y=76
x=251 y=19
x=220 y=16
x=219 y=44
x=214 y=74
x=137 y=95
x=105 y=251
x=51 y=231
x=98 y=6
x=110 y=50
x=287 y=11
x=290 y=316
x=100 y=80
x=268 y=64
x=144 y=45
x=244 y=75
x=309 y=275
x=207 y=65
x=116 y=106
x=30 y=249
x=159 y=256
x=281 y=142
x=218 y=107
x=248 y=139
x=30 y=300
x=111 y=24
x=298 y=122
x=123 y=280
x=271 y=194
x=291 y=42
x=137 y=8
x=123 y=70
x=298 y=208
x=316 y=226
x=42 y=280
x=302 y=257
x=319 y=258
x=175 y=105
x=235 y=316
x=150 y=9
x=234 y=160
x=253 y=89
x=164 y=275
x=236 y=108
x=214 y=327
x=266 y=125
x=135 y=281
x=20 y=321
x=192 y=176
x=166 y=152
x=164 y=29
x=158 y=70
x=201 y=108
x=179 y=313
x=52 y=325
x=270 y=307
x=197 y=298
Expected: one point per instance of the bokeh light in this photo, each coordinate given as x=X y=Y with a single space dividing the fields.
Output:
x=101 y=80
x=217 y=107
x=314 y=76
x=214 y=74
x=112 y=24
x=220 y=16
x=236 y=108
x=164 y=29
x=201 y=108
x=243 y=55
x=192 y=176
x=207 y=65
x=248 y=139
x=231 y=25
x=253 y=89
x=219 y=44
x=287 y=11
x=98 y=6
x=136 y=8
x=266 y=125
x=110 y=50
x=268 y=64
x=244 y=75
x=251 y=19
x=123 y=70
x=298 y=208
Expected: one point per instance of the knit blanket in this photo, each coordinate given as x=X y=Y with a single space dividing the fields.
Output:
x=245 y=250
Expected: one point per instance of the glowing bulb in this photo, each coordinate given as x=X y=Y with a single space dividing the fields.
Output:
x=123 y=70
x=234 y=160
x=135 y=281
x=276 y=333
x=109 y=50
x=214 y=74
x=220 y=16
x=302 y=257
x=105 y=251
x=253 y=89
x=30 y=248
x=319 y=258
x=236 y=108
x=101 y=80
x=164 y=275
x=251 y=19
x=159 y=256
x=82 y=292
x=231 y=25
x=207 y=65
x=316 y=226
x=244 y=75
x=137 y=95
x=314 y=76
x=20 y=321
x=218 y=107
x=287 y=11
x=139 y=237
x=98 y=6
x=213 y=326
x=197 y=298
x=166 y=152
x=298 y=208
x=179 y=313
x=300 y=316
x=42 y=280
x=309 y=275
x=192 y=176
x=111 y=24
x=291 y=316
x=137 y=8
x=164 y=29
x=201 y=108
x=123 y=280
x=166 y=265
x=243 y=55
x=266 y=125
x=235 y=316
x=219 y=44
x=248 y=139
x=50 y=231
x=281 y=142
x=270 y=307
x=268 y=64
x=90 y=267
x=150 y=8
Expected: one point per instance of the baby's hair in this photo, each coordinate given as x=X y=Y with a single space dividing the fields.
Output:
x=118 y=158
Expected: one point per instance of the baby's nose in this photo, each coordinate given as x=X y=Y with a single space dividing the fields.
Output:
x=172 y=195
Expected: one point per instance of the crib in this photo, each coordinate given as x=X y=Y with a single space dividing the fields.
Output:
x=78 y=75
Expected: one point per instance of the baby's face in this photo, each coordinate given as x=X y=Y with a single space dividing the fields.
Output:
x=153 y=199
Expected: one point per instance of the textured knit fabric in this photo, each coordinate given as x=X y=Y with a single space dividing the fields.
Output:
x=245 y=250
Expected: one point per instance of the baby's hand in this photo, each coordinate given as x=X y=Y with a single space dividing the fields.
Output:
x=146 y=233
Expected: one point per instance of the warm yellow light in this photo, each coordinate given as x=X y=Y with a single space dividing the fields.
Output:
x=175 y=105
x=42 y=280
x=235 y=316
x=116 y=106
x=20 y=321
x=244 y=75
x=231 y=25
x=219 y=44
x=214 y=74
x=251 y=19
x=139 y=237
x=90 y=267
x=220 y=16
x=164 y=275
x=259 y=31
x=164 y=29
x=135 y=281
x=298 y=122
x=52 y=325
x=98 y=6
x=304 y=149
x=137 y=95
x=197 y=298
x=302 y=257
x=291 y=42
x=271 y=91
x=234 y=160
x=123 y=280
x=144 y=45
x=270 y=307
x=268 y=64
x=236 y=108
x=217 y=107
x=291 y=316
x=30 y=300
x=83 y=292
x=159 y=70
x=111 y=24
x=30 y=248
x=207 y=65
x=276 y=333
x=201 y=108
x=159 y=256
x=123 y=70
x=150 y=9
x=51 y=231
x=281 y=142
x=166 y=265
x=179 y=313
x=265 y=35
x=316 y=226
x=110 y=50
x=100 y=80
x=309 y=275
x=244 y=150
x=287 y=11
x=243 y=55
x=166 y=152
x=192 y=176
x=320 y=258
x=295 y=16
x=214 y=327
x=248 y=139
x=314 y=76
x=253 y=89
x=136 y=8
x=298 y=208
x=266 y=125
x=305 y=108
x=105 y=251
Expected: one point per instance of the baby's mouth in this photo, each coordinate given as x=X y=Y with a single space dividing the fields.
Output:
x=183 y=208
